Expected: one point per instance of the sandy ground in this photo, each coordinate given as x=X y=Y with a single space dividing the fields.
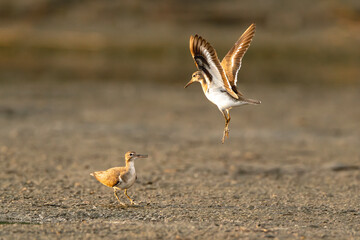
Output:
x=290 y=168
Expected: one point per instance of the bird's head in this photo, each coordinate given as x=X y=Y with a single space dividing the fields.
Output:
x=131 y=156
x=196 y=77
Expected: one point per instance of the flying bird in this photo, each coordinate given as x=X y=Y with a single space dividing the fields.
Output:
x=218 y=80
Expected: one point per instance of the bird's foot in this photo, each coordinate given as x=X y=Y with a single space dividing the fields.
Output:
x=122 y=204
x=133 y=203
x=225 y=134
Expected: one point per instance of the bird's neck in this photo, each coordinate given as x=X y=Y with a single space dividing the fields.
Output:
x=204 y=85
x=130 y=165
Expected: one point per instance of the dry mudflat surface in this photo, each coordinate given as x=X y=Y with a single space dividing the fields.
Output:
x=290 y=169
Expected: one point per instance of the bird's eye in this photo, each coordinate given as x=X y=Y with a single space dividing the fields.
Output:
x=131 y=154
x=193 y=75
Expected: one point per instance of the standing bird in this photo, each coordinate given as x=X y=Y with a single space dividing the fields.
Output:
x=120 y=178
x=218 y=80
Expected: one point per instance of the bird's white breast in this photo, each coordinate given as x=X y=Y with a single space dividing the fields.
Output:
x=130 y=181
x=220 y=98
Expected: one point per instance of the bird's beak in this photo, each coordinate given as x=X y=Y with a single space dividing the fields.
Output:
x=189 y=83
x=141 y=155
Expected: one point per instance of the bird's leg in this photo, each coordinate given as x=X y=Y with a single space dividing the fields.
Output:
x=227 y=124
x=121 y=203
x=226 y=115
x=131 y=201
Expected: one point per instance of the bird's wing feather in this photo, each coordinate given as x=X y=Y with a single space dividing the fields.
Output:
x=109 y=177
x=206 y=60
x=232 y=61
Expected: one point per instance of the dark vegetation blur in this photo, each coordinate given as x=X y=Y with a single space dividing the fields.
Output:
x=296 y=41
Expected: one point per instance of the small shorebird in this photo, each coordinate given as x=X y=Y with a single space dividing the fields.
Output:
x=218 y=80
x=120 y=178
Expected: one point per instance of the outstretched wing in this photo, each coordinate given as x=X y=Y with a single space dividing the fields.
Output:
x=207 y=61
x=232 y=61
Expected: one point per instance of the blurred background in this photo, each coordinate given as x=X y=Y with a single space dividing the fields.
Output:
x=82 y=82
x=310 y=42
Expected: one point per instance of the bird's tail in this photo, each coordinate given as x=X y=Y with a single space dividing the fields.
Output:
x=91 y=174
x=252 y=101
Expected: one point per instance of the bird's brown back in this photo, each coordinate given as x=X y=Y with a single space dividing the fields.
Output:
x=109 y=177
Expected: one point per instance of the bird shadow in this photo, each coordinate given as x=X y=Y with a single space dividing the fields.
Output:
x=127 y=206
